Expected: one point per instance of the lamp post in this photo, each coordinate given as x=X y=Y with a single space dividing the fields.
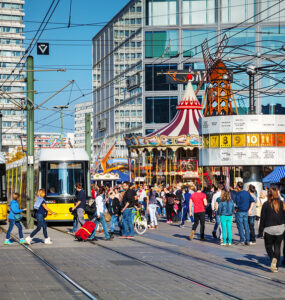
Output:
x=61 y=108
x=251 y=72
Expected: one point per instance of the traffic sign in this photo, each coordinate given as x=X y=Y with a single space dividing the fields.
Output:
x=43 y=48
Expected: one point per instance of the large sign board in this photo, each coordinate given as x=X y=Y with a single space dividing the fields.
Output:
x=243 y=140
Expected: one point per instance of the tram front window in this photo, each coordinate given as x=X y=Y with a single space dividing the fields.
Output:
x=62 y=177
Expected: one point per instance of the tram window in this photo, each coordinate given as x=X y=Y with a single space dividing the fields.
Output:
x=61 y=177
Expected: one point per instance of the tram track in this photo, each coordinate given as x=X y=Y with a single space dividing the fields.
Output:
x=204 y=260
x=52 y=267
x=155 y=266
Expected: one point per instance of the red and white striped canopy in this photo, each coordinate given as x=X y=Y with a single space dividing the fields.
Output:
x=186 y=120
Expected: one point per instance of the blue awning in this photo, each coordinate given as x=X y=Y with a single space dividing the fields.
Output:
x=275 y=176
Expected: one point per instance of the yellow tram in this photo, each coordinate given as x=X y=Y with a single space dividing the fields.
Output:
x=56 y=171
x=3 y=194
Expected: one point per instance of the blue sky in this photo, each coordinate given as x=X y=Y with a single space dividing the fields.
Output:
x=70 y=48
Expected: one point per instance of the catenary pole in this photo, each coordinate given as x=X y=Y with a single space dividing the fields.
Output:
x=30 y=141
x=88 y=134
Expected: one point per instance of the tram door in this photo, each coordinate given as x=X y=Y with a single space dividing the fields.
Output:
x=3 y=193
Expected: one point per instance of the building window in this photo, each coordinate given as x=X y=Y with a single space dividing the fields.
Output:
x=133 y=21
x=240 y=43
x=139 y=21
x=154 y=82
x=274 y=14
x=139 y=8
x=161 y=43
x=272 y=40
x=238 y=11
x=192 y=40
x=161 y=12
x=160 y=109
x=133 y=113
x=199 y=12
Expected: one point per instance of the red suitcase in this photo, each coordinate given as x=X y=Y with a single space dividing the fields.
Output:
x=85 y=231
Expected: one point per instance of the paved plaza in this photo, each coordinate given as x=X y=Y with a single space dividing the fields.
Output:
x=162 y=264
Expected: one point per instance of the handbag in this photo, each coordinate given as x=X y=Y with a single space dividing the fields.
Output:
x=107 y=216
x=18 y=217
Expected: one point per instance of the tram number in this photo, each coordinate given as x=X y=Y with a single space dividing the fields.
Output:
x=225 y=140
x=214 y=141
x=281 y=140
x=239 y=140
x=253 y=140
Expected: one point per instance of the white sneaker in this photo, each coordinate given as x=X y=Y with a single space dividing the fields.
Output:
x=28 y=240
x=273 y=266
x=48 y=241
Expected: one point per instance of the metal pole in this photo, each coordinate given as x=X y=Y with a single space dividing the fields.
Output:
x=30 y=141
x=251 y=95
x=88 y=134
x=61 y=126
x=1 y=132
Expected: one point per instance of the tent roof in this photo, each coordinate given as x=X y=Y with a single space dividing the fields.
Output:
x=275 y=176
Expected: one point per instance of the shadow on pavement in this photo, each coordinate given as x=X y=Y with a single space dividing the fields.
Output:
x=252 y=261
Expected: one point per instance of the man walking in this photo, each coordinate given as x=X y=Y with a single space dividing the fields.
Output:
x=127 y=207
x=80 y=204
x=244 y=203
x=199 y=201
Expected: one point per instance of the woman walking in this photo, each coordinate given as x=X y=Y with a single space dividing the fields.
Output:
x=225 y=211
x=99 y=215
x=170 y=199
x=252 y=215
x=151 y=207
x=41 y=212
x=272 y=224
x=14 y=219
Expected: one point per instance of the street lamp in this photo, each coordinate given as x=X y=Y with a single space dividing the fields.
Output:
x=61 y=108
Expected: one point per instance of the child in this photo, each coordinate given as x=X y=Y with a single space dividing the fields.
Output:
x=14 y=209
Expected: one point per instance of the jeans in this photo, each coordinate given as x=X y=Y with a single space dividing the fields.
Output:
x=217 y=224
x=128 y=228
x=12 y=222
x=114 y=221
x=251 y=220
x=41 y=223
x=199 y=217
x=80 y=217
x=226 y=222
x=133 y=215
x=273 y=245
x=104 y=224
x=185 y=211
x=152 y=214
x=74 y=224
x=242 y=225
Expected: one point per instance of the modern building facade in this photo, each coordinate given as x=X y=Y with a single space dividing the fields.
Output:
x=150 y=37
x=12 y=82
x=79 y=123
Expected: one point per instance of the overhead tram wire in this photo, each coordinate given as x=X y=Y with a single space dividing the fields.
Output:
x=243 y=29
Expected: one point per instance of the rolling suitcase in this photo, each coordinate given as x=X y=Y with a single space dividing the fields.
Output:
x=83 y=233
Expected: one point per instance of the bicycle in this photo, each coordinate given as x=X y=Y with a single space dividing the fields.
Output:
x=140 y=222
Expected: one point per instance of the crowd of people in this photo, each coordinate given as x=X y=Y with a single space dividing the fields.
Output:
x=174 y=205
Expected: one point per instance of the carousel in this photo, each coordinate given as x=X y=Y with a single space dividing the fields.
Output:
x=170 y=154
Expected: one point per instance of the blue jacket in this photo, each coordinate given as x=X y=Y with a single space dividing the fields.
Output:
x=14 y=209
x=226 y=208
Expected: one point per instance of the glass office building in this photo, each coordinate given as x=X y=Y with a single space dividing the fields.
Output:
x=12 y=85
x=150 y=37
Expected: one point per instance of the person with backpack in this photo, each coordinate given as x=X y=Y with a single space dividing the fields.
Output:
x=14 y=219
x=170 y=200
x=41 y=209
x=225 y=211
x=99 y=215
x=80 y=204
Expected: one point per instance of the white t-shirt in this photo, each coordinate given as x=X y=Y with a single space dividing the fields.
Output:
x=100 y=205
x=141 y=195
